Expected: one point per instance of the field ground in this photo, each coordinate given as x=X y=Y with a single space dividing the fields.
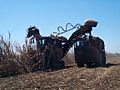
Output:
x=70 y=78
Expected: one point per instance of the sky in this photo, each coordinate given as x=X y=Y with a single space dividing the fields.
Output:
x=17 y=15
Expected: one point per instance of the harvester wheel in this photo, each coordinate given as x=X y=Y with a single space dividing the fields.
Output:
x=90 y=64
x=103 y=58
x=80 y=64
x=62 y=64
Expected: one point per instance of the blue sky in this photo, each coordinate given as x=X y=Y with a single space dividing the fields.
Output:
x=17 y=15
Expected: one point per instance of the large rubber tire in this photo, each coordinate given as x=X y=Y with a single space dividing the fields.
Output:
x=62 y=64
x=58 y=65
x=103 y=58
x=91 y=64
x=79 y=64
x=79 y=61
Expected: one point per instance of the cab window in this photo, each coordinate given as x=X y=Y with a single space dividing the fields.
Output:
x=42 y=42
x=78 y=43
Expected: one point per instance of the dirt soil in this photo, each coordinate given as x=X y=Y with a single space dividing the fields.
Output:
x=70 y=78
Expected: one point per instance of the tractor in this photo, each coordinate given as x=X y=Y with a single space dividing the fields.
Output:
x=88 y=50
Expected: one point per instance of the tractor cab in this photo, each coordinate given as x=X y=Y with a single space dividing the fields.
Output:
x=44 y=42
x=80 y=43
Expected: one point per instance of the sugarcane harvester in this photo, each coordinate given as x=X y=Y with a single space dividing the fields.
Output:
x=88 y=50
x=51 y=49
